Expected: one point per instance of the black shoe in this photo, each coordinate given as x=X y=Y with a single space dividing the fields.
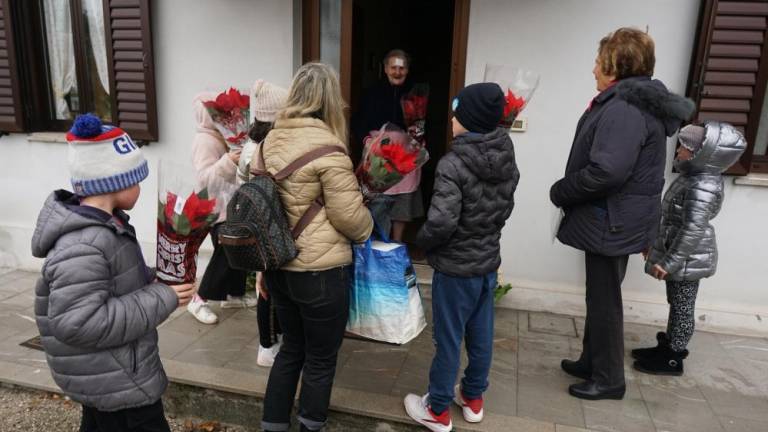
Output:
x=666 y=362
x=575 y=368
x=593 y=391
x=648 y=353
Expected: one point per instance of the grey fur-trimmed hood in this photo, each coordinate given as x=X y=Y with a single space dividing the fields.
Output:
x=652 y=96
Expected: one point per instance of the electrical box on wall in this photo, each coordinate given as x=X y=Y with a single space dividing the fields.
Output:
x=519 y=125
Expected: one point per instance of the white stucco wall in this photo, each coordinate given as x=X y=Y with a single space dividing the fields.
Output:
x=558 y=39
x=198 y=45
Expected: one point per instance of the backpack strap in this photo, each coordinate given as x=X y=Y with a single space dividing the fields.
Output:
x=307 y=217
x=261 y=167
x=284 y=173
x=305 y=159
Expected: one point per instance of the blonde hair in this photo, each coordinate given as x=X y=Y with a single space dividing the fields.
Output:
x=316 y=92
x=627 y=52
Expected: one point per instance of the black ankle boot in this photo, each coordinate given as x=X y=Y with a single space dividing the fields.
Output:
x=648 y=353
x=666 y=362
x=576 y=368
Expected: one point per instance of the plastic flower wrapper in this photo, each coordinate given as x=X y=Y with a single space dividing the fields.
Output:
x=230 y=111
x=414 y=105
x=185 y=215
x=389 y=155
x=518 y=86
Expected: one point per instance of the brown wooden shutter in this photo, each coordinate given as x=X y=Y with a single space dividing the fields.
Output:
x=131 y=67
x=730 y=67
x=11 y=118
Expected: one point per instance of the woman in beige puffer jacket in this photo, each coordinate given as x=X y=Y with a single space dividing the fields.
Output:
x=311 y=293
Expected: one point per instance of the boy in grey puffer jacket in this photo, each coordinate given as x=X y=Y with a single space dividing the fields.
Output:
x=97 y=304
x=685 y=250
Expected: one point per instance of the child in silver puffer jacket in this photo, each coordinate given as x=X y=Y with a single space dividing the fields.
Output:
x=685 y=250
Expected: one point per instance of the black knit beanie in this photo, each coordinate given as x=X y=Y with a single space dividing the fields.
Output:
x=479 y=107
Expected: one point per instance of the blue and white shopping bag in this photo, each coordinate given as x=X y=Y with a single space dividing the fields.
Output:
x=385 y=303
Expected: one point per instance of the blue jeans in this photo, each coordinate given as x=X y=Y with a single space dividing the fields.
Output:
x=462 y=307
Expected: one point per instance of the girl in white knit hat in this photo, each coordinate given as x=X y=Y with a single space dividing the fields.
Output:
x=266 y=100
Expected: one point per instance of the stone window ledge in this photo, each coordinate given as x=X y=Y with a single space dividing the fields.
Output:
x=752 y=180
x=53 y=137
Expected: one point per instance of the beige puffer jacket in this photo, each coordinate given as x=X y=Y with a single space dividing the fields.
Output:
x=325 y=243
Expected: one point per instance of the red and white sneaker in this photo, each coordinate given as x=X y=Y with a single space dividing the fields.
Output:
x=472 y=409
x=418 y=408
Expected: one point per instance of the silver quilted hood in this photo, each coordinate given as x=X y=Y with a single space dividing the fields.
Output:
x=723 y=146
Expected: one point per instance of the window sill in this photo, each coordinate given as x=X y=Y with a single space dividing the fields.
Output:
x=752 y=180
x=52 y=137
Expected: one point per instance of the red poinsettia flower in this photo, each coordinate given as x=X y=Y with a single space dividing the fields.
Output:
x=513 y=104
x=237 y=138
x=197 y=210
x=228 y=101
x=397 y=157
x=414 y=108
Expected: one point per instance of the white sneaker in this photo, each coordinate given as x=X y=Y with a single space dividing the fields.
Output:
x=418 y=409
x=471 y=409
x=233 y=302
x=200 y=309
x=266 y=356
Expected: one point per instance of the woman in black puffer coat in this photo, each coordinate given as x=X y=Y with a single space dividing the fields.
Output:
x=611 y=195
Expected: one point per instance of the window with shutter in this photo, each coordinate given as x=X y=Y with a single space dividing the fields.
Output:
x=10 y=97
x=131 y=68
x=76 y=56
x=730 y=69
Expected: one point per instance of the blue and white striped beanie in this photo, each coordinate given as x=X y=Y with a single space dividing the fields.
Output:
x=102 y=158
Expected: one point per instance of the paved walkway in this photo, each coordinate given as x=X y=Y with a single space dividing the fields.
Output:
x=725 y=387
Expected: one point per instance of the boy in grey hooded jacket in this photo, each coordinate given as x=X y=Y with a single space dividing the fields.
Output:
x=685 y=250
x=97 y=305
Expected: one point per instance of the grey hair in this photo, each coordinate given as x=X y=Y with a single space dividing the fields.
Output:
x=399 y=54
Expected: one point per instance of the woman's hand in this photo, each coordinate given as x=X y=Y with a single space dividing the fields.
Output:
x=234 y=155
x=261 y=287
x=658 y=272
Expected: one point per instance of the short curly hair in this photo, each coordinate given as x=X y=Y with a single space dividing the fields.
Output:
x=627 y=52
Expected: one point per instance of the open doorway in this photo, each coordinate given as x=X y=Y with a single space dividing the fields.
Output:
x=425 y=32
x=355 y=35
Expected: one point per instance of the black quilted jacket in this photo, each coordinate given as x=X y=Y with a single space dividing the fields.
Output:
x=473 y=197
x=611 y=191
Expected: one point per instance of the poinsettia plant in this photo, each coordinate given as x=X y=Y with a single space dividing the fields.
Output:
x=229 y=111
x=518 y=86
x=197 y=212
x=389 y=155
x=182 y=224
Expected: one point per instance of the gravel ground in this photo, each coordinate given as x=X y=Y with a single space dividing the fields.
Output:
x=32 y=411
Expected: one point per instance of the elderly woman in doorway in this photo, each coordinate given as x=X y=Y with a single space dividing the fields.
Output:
x=311 y=293
x=381 y=104
x=611 y=195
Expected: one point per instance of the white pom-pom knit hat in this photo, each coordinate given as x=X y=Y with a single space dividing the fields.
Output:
x=102 y=158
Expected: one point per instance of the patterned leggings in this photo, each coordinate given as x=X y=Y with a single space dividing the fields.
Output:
x=681 y=296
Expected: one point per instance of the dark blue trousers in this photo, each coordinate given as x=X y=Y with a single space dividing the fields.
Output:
x=462 y=308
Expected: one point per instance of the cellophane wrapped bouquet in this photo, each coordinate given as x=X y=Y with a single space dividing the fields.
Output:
x=389 y=155
x=414 y=105
x=518 y=86
x=185 y=214
x=229 y=111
